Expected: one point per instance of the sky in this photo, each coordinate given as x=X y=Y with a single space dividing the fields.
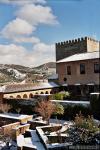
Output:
x=29 y=29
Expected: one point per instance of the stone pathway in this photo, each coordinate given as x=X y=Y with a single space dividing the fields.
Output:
x=36 y=141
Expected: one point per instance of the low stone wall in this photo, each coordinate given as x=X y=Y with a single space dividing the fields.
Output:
x=8 y=129
x=34 y=124
x=25 y=148
x=42 y=137
x=41 y=133
x=20 y=129
x=26 y=119
x=6 y=121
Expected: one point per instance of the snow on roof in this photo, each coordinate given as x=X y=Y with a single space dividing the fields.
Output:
x=54 y=76
x=2 y=88
x=95 y=93
x=13 y=116
x=72 y=102
x=82 y=56
x=27 y=87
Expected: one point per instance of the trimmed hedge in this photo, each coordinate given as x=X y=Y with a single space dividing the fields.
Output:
x=95 y=104
x=70 y=112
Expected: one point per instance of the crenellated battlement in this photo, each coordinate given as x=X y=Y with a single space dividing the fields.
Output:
x=74 y=41
x=74 y=46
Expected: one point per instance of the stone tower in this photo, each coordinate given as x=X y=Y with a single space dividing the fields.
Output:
x=80 y=45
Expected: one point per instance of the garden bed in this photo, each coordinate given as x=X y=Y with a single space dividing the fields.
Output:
x=82 y=132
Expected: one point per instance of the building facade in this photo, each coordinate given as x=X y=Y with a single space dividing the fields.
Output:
x=78 y=67
x=28 y=91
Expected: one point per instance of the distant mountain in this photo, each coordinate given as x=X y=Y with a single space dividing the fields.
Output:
x=9 y=73
x=17 y=73
x=47 y=65
x=20 y=68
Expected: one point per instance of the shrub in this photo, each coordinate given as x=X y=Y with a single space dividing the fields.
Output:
x=61 y=95
x=45 y=109
x=86 y=123
x=59 y=109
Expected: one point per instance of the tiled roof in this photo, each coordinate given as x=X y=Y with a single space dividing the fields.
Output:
x=82 y=56
x=27 y=87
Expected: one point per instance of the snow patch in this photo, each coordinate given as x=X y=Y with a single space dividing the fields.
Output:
x=16 y=73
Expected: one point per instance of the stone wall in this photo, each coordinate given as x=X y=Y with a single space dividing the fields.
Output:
x=21 y=129
x=71 y=47
x=8 y=129
x=26 y=94
x=34 y=124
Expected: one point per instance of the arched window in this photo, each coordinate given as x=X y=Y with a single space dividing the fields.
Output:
x=25 y=96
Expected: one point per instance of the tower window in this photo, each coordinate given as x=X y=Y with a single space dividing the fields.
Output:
x=82 y=68
x=68 y=70
x=96 y=68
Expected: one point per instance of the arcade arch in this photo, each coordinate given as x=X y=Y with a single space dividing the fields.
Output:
x=18 y=96
x=31 y=95
x=42 y=93
x=25 y=96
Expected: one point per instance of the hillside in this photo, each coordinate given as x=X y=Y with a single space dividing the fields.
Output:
x=17 y=73
x=46 y=65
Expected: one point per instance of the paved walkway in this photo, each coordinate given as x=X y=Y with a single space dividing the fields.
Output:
x=36 y=141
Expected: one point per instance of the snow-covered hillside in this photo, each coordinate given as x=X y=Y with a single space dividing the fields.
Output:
x=16 y=73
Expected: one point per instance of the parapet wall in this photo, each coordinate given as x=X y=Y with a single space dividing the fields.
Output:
x=80 y=45
x=74 y=41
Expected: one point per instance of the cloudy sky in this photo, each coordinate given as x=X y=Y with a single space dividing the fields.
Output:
x=29 y=29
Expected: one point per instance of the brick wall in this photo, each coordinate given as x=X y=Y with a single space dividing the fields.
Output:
x=76 y=77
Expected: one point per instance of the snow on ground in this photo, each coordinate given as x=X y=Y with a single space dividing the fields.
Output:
x=30 y=142
x=16 y=73
x=2 y=144
x=2 y=88
x=57 y=121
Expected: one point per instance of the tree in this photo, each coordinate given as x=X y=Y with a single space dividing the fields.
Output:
x=59 y=109
x=61 y=95
x=45 y=109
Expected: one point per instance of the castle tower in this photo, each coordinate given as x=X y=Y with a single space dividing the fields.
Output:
x=80 y=45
